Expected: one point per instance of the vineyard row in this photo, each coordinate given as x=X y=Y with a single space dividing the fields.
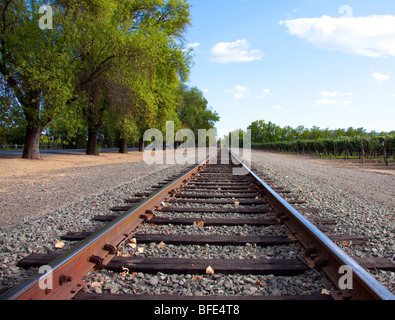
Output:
x=364 y=147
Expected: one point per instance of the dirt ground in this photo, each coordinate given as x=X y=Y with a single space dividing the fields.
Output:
x=32 y=188
x=15 y=166
x=355 y=164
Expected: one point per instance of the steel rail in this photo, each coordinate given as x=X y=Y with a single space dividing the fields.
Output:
x=64 y=278
x=365 y=286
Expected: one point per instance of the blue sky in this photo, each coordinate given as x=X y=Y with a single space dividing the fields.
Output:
x=324 y=63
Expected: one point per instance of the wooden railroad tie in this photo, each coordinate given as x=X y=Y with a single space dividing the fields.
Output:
x=194 y=266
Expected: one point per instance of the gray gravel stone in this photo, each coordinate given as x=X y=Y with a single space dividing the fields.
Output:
x=361 y=203
x=100 y=187
x=154 y=280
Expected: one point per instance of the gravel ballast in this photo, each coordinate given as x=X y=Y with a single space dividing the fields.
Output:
x=100 y=188
x=362 y=203
x=339 y=193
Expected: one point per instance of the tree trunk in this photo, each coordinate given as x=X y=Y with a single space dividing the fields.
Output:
x=141 y=145
x=31 y=149
x=91 y=148
x=123 y=146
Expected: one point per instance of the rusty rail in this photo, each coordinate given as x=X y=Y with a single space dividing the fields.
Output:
x=66 y=272
x=324 y=253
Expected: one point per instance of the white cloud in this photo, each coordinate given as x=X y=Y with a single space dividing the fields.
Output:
x=372 y=36
x=266 y=93
x=238 y=91
x=242 y=92
x=334 y=98
x=193 y=45
x=277 y=108
x=238 y=51
x=380 y=78
x=324 y=102
x=335 y=94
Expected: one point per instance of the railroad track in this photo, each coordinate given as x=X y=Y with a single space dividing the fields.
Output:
x=207 y=207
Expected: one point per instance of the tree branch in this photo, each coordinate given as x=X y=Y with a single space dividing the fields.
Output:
x=99 y=67
x=3 y=15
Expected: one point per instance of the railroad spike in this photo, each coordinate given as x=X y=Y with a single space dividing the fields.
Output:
x=311 y=252
x=110 y=248
x=64 y=278
x=146 y=217
x=320 y=263
x=98 y=261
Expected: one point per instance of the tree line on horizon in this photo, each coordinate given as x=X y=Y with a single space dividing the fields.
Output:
x=262 y=132
x=106 y=72
x=325 y=142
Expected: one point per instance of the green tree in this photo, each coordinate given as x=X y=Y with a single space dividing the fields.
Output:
x=171 y=68
x=123 y=40
x=35 y=65
x=12 y=123
x=315 y=133
x=257 y=131
x=194 y=112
